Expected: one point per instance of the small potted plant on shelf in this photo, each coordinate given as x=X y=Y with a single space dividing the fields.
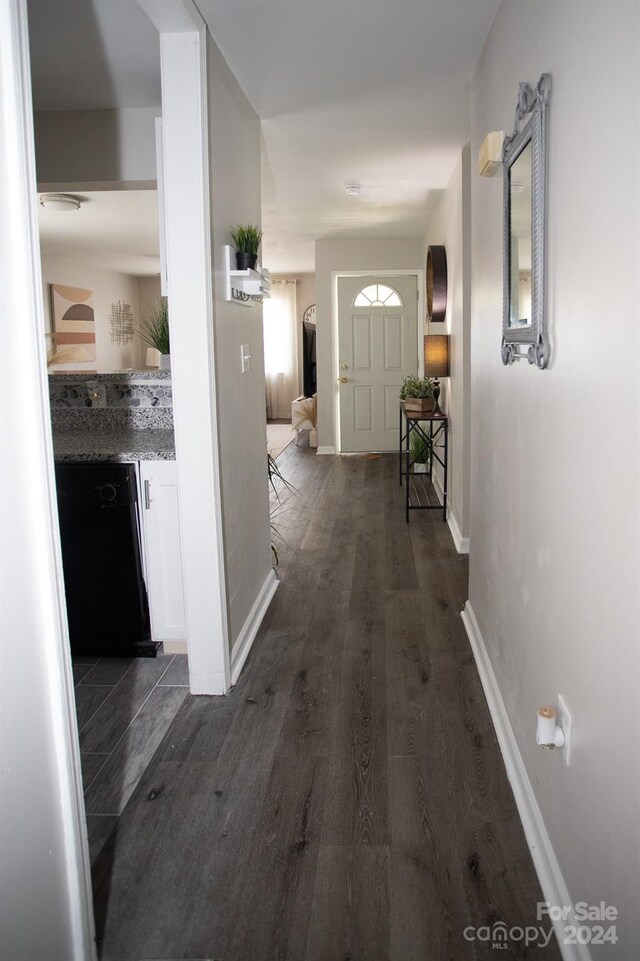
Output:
x=418 y=394
x=155 y=331
x=246 y=239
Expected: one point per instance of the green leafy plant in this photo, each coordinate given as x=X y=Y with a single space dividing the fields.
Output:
x=246 y=238
x=420 y=449
x=416 y=387
x=279 y=485
x=155 y=329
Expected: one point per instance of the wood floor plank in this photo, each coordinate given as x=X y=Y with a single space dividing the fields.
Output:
x=310 y=719
x=198 y=730
x=409 y=683
x=356 y=810
x=347 y=800
x=350 y=912
x=280 y=873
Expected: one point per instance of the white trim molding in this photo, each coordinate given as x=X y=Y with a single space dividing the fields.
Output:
x=175 y=647
x=325 y=450
x=461 y=543
x=554 y=887
x=47 y=901
x=244 y=641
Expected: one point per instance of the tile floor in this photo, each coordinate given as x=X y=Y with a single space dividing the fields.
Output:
x=124 y=707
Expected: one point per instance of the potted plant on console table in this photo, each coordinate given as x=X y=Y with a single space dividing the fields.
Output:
x=246 y=239
x=418 y=395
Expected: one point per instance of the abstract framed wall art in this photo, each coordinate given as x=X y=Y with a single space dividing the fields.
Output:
x=73 y=323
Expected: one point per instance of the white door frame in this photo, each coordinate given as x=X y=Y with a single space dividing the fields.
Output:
x=185 y=128
x=43 y=829
x=47 y=901
x=335 y=325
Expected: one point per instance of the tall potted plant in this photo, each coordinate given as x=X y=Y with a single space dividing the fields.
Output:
x=246 y=239
x=155 y=331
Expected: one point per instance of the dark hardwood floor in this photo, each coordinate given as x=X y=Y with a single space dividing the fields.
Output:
x=347 y=801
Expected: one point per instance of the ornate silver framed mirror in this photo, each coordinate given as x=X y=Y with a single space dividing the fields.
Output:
x=524 y=157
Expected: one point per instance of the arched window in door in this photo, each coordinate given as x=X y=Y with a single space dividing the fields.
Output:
x=378 y=295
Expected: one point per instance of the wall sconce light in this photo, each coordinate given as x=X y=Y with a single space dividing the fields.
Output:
x=490 y=154
x=436 y=363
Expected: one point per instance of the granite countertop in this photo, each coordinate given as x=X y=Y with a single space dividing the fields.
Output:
x=118 y=445
x=112 y=376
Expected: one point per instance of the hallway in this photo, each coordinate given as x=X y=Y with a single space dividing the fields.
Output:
x=347 y=800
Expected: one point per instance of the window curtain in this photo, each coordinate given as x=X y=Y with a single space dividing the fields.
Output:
x=281 y=348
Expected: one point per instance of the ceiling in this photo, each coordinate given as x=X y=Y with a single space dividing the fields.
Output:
x=113 y=229
x=374 y=92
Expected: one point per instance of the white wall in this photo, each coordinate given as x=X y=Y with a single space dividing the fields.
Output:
x=149 y=293
x=450 y=226
x=335 y=255
x=235 y=198
x=108 y=287
x=555 y=505
x=96 y=146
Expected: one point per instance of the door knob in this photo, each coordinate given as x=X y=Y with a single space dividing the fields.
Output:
x=342 y=380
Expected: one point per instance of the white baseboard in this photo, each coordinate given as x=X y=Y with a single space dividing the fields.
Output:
x=552 y=882
x=211 y=684
x=245 y=639
x=325 y=450
x=174 y=647
x=461 y=543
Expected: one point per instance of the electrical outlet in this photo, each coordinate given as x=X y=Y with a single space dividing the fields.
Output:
x=563 y=720
x=245 y=358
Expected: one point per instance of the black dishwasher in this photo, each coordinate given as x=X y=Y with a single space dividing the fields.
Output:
x=107 y=604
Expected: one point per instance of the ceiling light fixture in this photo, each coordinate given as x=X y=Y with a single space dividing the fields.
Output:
x=61 y=202
x=352 y=190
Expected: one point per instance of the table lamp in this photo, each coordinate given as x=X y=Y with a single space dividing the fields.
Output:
x=436 y=363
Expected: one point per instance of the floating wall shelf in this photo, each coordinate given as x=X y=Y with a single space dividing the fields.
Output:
x=246 y=287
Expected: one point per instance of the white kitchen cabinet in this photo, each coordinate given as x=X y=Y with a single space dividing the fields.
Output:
x=160 y=521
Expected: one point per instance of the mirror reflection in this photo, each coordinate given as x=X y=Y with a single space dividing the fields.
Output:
x=520 y=239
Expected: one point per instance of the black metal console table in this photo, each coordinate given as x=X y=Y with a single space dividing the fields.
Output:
x=436 y=438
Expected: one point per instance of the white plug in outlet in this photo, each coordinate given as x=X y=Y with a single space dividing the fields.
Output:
x=563 y=720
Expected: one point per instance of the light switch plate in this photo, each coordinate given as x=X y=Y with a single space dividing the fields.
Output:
x=245 y=358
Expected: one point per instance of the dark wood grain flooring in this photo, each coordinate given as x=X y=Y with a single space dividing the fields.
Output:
x=347 y=800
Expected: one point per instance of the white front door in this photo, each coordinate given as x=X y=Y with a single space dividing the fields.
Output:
x=377 y=349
